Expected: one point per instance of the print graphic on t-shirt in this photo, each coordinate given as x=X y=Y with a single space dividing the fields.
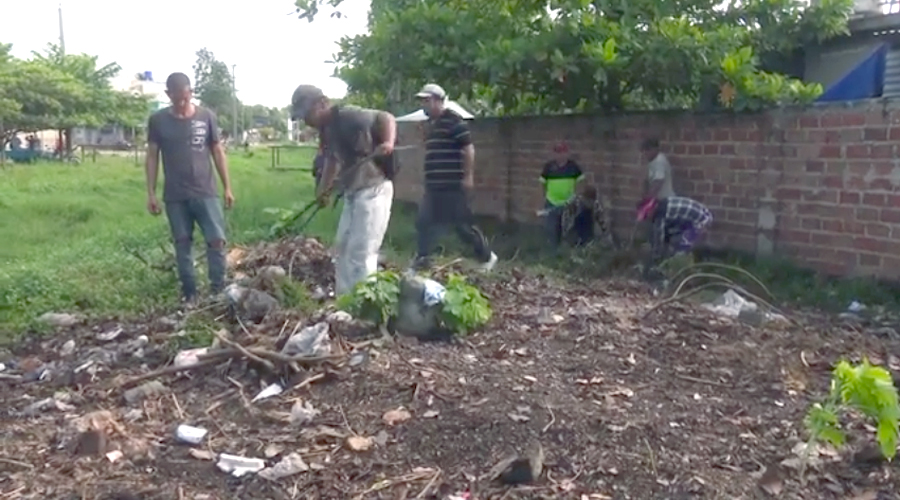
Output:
x=199 y=132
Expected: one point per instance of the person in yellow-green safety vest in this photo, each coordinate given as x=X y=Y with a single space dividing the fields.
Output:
x=559 y=178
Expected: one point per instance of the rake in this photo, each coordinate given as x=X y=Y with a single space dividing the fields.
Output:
x=315 y=203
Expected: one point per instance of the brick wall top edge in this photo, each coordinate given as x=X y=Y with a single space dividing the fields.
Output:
x=880 y=103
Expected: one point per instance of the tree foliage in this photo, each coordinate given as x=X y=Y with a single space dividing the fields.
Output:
x=531 y=56
x=54 y=90
x=214 y=86
x=261 y=117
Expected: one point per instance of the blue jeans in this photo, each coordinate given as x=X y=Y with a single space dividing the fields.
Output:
x=208 y=214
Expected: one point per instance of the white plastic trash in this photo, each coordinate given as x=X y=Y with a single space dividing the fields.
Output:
x=239 y=466
x=434 y=293
x=268 y=392
x=190 y=357
x=190 y=434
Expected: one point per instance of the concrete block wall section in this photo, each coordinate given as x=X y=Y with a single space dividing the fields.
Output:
x=820 y=185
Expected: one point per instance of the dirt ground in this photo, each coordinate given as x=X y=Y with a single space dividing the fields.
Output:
x=680 y=404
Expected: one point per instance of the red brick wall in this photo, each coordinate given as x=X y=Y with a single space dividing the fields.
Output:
x=820 y=185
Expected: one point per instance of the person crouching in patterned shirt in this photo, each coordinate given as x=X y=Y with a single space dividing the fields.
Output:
x=579 y=215
x=677 y=224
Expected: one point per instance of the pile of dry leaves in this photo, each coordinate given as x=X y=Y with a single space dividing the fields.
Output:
x=568 y=391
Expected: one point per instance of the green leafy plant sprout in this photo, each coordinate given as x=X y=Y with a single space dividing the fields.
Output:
x=374 y=299
x=867 y=389
x=464 y=308
x=285 y=219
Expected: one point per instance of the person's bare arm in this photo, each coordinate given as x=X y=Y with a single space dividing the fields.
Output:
x=151 y=166
x=388 y=127
x=329 y=174
x=221 y=162
x=220 y=159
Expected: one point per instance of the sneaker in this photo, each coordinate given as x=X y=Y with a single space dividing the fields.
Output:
x=489 y=265
x=189 y=302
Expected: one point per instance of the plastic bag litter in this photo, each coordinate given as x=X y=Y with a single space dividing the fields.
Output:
x=311 y=341
x=434 y=293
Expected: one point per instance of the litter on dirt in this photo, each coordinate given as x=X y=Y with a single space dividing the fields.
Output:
x=684 y=402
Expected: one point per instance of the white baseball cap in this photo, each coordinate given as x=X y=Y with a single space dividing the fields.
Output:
x=432 y=90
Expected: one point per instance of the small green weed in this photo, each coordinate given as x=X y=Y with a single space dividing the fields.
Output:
x=867 y=389
x=373 y=300
x=464 y=308
x=292 y=294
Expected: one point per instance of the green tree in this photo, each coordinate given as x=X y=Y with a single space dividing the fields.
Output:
x=533 y=56
x=53 y=90
x=214 y=86
x=35 y=95
x=101 y=104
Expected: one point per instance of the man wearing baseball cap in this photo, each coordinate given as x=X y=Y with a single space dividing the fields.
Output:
x=362 y=142
x=449 y=180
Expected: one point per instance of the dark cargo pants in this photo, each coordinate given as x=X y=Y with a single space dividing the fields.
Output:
x=440 y=209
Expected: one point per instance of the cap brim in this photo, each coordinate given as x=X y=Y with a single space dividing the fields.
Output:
x=424 y=94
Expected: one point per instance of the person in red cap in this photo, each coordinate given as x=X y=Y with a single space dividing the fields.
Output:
x=559 y=178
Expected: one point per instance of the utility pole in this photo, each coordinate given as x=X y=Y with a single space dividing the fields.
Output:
x=62 y=38
x=234 y=122
x=64 y=144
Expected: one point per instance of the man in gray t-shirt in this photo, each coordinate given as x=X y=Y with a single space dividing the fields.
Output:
x=360 y=141
x=187 y=135
x=659 y=171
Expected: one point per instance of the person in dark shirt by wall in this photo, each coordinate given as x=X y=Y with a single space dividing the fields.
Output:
x=559 y=178
x=449 y=180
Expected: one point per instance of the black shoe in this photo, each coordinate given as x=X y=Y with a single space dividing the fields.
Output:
x=420 y=264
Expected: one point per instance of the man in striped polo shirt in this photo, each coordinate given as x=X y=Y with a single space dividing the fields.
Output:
x=449 y=180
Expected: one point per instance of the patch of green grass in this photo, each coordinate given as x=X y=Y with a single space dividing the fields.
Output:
x=198 y=332
x=292 y=294
x=71 y=233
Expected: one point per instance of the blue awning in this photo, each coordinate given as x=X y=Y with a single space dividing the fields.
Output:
x=864 y=81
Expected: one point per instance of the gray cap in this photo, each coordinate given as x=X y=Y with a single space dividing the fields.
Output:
x=432 y=90
x=304 y=98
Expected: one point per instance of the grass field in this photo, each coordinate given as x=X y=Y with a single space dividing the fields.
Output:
x=71 y=235
x=79 y=239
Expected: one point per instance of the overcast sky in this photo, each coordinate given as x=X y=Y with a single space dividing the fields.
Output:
x=272 y=50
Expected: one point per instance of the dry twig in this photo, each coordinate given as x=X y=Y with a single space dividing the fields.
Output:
x=652 y=459
x=268 y=364
x=552 y=419
x=701 y=381
x=218 y=355
x=429 y=485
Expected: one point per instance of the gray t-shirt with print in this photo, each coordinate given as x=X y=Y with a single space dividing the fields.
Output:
x=350 y=137
x=185 y=146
